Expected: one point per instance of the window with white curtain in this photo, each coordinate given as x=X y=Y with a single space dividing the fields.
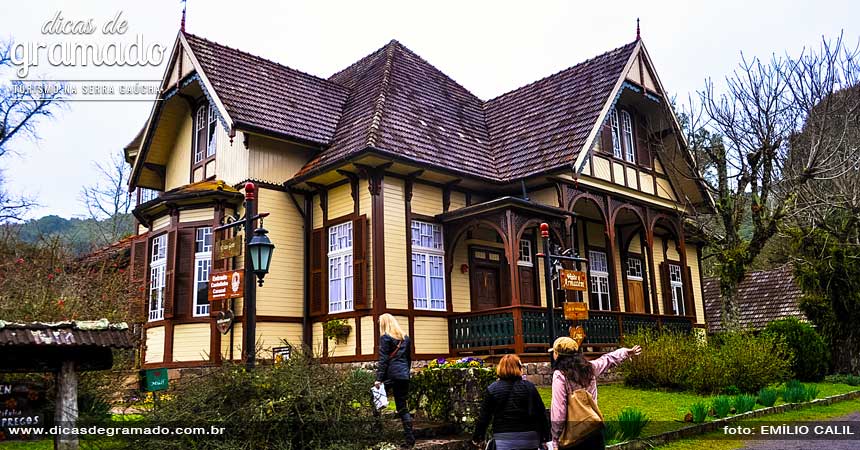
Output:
x=428 y=266
x=627 y=133
x=202 y=267
x=599 y=270
x=157 y=267
x=676 y=283
x=616 y=133
x=340 y=291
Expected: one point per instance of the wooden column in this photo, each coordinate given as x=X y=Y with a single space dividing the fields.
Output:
x=610 y=257
x=512 y=254
x=652 y=279
x=689 y=300
x=646 y=271
x=66 y=412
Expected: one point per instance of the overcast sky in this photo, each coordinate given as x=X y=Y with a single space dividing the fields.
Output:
x=489 y=47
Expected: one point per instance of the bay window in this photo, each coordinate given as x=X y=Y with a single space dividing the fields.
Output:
x=157 y=275
x=340 y=271
x=428 y=266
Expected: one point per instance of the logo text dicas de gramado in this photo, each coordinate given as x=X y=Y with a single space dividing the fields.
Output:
x=69 y=53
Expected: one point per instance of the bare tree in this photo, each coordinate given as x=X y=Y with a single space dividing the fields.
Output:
x=20 y=110
x=748 y=155
x=108 y=202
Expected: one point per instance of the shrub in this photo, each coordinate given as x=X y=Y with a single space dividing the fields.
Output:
x=849 y=379
x=731 y=363
x=767 y=396
x=744 y=403
x=631 y=422
x=793 y=392
x=299 y=404
x=699 y=410
x=811 y=355
x=811 y=392
x=450 y=394
x=722 y=406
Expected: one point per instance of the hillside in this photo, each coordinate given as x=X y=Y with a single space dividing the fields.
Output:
x=82 y=235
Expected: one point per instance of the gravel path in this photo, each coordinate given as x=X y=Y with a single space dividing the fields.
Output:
x=810 y=444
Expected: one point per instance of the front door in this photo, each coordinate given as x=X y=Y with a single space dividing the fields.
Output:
x=635 y=292
x=486 y=278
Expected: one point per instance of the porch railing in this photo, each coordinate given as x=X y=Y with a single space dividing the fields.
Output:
x=524 y=329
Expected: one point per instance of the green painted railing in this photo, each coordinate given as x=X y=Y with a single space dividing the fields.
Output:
x=486 y=331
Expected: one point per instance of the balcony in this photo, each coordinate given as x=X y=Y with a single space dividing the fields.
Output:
x=523 y=329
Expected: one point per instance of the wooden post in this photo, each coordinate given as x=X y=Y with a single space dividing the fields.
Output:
x=66 y=413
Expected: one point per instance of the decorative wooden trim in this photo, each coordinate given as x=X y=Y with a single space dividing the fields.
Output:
x=353 y=183
x=274 y=319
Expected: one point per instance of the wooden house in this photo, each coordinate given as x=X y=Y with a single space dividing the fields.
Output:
x=391 y=188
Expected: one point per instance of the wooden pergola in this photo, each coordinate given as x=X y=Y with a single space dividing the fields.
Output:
x=63 y=348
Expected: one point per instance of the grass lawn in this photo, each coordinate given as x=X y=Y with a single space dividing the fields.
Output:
x=666 y=409
x=816 y=413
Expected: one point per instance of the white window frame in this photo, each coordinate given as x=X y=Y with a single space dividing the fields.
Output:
x=428 y=252
x=526 y=258
x=676 y=284
x=202 y=268
x=157 y=277
x=598 y=268
x=636 y=265
x=200 y=123
x=616 y=134
x=211 y=132
x=340 y=268
x=627 y=134
x=147 y=194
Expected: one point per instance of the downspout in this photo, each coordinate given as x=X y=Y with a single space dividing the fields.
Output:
x=306 y=316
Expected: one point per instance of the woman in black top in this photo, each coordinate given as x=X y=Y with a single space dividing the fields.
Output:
x=395 y=362
x=517 y=410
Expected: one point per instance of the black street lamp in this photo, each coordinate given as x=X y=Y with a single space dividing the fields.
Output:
x=260 y=251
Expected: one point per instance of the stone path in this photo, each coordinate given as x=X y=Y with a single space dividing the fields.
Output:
x=810 y=444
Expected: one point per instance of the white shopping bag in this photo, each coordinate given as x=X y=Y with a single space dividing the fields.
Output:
x=380 y=398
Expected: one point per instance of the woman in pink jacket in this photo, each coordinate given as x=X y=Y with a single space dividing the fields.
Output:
x=570 y=364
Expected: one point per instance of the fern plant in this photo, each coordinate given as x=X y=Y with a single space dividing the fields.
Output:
x=767 y=396
x=744 y=403
x=699 y=410
x=722 y=406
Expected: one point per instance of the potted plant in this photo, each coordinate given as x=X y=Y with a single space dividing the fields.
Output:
x=337 y=329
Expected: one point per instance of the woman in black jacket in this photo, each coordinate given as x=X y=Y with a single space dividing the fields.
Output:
x=395 y=362
x=517 y=410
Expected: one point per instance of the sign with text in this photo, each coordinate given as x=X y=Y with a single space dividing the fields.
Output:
x=576 y=311
x=229 y=248
x=226 y=284
x=573 y=280
x=21 y=404
x=281 y=354
x=155 y=380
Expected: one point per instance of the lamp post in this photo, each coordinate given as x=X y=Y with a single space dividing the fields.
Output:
x=258 y=257
x=552 y=264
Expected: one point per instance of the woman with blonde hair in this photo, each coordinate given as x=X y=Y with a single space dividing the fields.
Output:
x=517 y=410
x=395 y=361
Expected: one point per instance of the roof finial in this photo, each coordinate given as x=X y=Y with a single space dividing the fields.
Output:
x=638 y=35
x=182 y=24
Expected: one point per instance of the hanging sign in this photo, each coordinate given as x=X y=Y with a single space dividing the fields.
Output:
x=155 y=380
x=226 y=284
x=573 y=280
x=228 y=248
x=576 y=311
x=224 y=321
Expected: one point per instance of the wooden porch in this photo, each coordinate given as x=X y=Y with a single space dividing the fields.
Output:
x=524 y=329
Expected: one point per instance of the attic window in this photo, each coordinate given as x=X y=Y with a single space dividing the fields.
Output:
x=205 y=142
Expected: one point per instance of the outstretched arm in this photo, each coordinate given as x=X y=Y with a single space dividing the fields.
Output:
x=613 y=359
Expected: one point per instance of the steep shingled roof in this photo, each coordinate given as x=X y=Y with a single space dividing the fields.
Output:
x=271 y=97
x=764 y=296
x=396 y=102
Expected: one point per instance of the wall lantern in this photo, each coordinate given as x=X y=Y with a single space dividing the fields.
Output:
x=260 y=251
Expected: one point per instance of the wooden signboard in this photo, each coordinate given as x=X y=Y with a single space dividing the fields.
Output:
x=573 y=280
x=21 y=405
x=226 y=284
x=230 y=247
x=576 y=311
x=155 y=380
x=281 y=354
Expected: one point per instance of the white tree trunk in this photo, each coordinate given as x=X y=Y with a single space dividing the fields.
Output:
x=66 y=414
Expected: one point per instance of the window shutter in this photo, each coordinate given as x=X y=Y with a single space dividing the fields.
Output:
x=185 y=272
x=606 y=137
x=169 y=272
x=138 y=275
x=667 y=288
x=689 y=300
x=643 y=144
x=359 y=263
x=317 y=282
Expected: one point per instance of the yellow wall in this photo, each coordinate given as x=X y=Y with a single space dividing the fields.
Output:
x=601 y=168
x=340 y=201
x=548 y=196
x=367 y=336
x=317 y=339
x=160 y=223
x=194 y=215
x=282 y=294
x=693 y=262
x=231 y=158
x=154 y=345
x=275 y=161
x=237 y=343
x=426 y=200
x=364 y=206
x=191 y=342
x=658 y=259
x=395 y=229
x=317 y=212
x=664 y=189
x=179 y=156
x=541 y=274
x=347 y=349
x=461 y=300
x=431 y=335
x=458 y=200
x=272 y=334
